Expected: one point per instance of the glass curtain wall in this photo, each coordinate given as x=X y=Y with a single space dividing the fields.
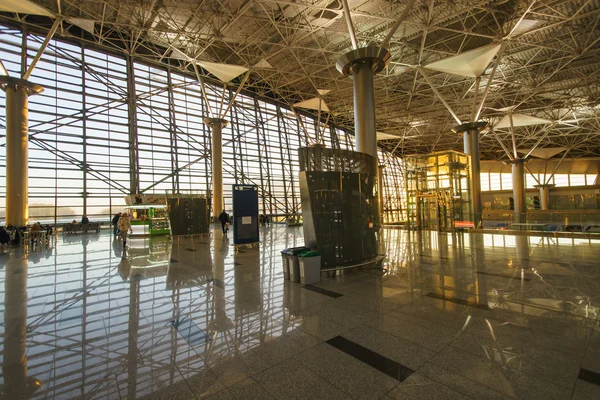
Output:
x=92 y=142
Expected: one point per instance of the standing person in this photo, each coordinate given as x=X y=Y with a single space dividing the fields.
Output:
x=224 y=218
x=115 y=222
x=124 y=226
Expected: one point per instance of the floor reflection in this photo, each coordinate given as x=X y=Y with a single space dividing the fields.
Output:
x=190 y=317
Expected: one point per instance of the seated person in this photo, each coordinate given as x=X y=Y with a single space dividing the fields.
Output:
x=37 y=227
x=74 y=222
x=17 y=240
x=85 y=220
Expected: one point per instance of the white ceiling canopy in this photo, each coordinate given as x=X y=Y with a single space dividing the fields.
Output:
x=386 y=136
x=85 y=24
x=316 y=103
x=525 y=25
x=23 y=7
x=225 y=72
x=545 y=153
x=323 y=92
x=471 y=63
x=178 y=55
x=264 y=64
x=520 y=120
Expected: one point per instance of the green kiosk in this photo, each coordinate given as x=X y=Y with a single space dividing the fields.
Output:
x=150 y=215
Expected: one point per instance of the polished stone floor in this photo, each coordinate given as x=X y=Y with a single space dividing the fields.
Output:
x=448 y=317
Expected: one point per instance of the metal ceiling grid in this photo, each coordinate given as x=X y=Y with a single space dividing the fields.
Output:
x=549 y=66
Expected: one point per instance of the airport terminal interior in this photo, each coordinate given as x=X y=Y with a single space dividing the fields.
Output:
x=299 y=199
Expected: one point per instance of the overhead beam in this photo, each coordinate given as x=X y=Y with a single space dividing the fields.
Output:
x=42 y=48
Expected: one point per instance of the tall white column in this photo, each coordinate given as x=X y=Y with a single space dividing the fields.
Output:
x=518 y=183
x=545 y=195
x=216 y=126
x=470 y=133
x=17 y=140
x=362 y=64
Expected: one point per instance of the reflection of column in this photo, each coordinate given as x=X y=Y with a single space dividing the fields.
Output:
x=132 y=351
x=477 y=245
x=545 y=195
x=17 y=92
x=470 y=131
x=380 y=191
x=216 y=125
x=518 y=183
x=14 y=366
x=221 y=249
x=522 y=243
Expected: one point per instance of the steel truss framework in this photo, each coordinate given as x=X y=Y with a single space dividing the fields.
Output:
x=548 y=65
x=108 y=125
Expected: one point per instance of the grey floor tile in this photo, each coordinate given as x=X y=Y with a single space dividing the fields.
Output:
x=455 y=381
x=249 y=389
x=222 y=395
x=292 y=380
x=416 y=330
x=236 y=368
x=343 y=316
x=278 y=349
x=419 y=386
x=320 y=327
x=204 y=383
x=444 y=312
x=557 y=367
x=392 y=347
x=355 y=378
x=586 y=391
x=504 y=380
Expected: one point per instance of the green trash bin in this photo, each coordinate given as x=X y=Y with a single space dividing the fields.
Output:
x=286 y=266
x=310 y=267
x=294 y=267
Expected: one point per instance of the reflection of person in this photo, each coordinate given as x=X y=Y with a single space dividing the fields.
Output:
x=224 y=218
x=124 y=226
x=124 y=268
x=115 y=222
x=85 y=220
x=117 y=248
x=4 y=238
